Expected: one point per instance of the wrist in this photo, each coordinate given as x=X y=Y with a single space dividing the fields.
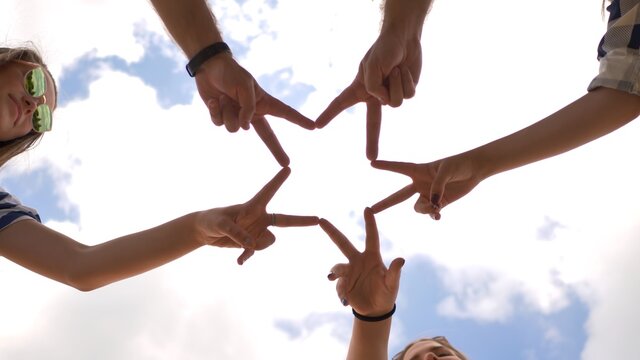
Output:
x=205 y=55
x=375 y=316
x=405 y=17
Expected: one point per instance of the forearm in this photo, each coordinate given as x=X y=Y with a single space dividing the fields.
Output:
x=369 y=340
x=133 y=254
x=58 y=257
x=190 y=22
x=405 y=16
x=592 y=116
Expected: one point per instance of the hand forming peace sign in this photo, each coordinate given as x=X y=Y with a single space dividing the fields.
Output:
x=245 y=225
x=364 y=283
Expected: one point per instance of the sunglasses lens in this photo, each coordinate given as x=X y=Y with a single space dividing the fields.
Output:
x=41 y=119
x=35 y=82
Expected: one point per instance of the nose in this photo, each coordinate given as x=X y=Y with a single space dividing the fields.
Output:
x=431 y=356
x=29 y=103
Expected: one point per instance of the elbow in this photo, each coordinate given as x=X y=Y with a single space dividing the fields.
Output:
x=80 y=275
x=82 y=281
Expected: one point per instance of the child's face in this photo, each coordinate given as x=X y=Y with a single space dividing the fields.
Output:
x=16 y=104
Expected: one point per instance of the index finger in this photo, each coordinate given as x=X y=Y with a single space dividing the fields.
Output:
x=278 y=108
x=341 y=241
x=247 y=101
x=266 y=193
x=394 y=199
x=347 y=98
x=264 y=131
x=405 y=168
x=374 y=120
x=372 y=240
x=282 y=220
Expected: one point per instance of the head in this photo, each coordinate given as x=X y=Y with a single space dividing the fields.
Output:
x=17 y=106
x=437 y=348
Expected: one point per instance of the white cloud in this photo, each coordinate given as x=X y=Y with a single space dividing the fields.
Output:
x=134 y=165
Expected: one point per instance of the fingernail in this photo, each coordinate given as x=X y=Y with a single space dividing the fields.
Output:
x=435 y=199
x=402 y=262
x=330 y=275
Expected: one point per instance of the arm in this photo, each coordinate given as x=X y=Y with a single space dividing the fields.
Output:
x=56 y=256
x=594 y=115
x=369 y=340
x=230 y=92
x=369 y=287
x=388 y=72
x=190 y=22
x=444 y=181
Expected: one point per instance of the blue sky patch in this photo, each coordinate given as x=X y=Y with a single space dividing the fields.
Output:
x=527 y=335
x=37 y=189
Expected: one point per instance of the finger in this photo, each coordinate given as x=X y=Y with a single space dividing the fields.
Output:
x=269 y=138
x=338 y=271
x=374 y=84
x=236 y=233
x=265 y=240
x=396 y=90
x=338 y=238
x=246 y=254
x=394 y=199
x=282 y=110
x=405 y=168
x=372 y=239
x=247 y=104
x=374 y=122
x=281 y=220
x=424 y=206
x=341 y=290
x=214 y=111
x=438 y=186
x=345 y=100
x=408 y=85
x=269 y=189
x=392 y=278
x=230 y=115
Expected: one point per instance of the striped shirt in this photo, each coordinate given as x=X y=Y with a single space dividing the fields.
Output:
x=11 y=210
x=618 y=51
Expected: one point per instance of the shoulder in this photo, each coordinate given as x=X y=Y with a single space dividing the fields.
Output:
x=12 y=210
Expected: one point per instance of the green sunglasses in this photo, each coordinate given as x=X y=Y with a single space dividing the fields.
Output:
x=35 y=83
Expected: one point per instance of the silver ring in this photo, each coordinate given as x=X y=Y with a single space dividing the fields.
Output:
x=273 y=219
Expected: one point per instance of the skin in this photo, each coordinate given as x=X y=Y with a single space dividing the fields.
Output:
x=230 y=92
x=388 y=72
x=429 y=350
x=16 y=105
x=368 y=286
x=444 y=181
x=61 y=258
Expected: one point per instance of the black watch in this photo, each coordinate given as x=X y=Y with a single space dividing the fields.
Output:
x=204 y=55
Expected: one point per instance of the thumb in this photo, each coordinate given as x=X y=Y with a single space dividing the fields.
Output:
x=438 y=186
x=392 y=279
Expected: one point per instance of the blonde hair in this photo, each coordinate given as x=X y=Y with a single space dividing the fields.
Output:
x=439 y=339
x=14 y=147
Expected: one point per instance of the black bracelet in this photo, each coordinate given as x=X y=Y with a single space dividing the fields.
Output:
x=204 y=55
x=374 y=318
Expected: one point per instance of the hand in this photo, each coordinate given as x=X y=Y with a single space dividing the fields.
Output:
x=235 y=99
x=388 y=73
x=439 y=183
x=364 y=283
x=245 y=225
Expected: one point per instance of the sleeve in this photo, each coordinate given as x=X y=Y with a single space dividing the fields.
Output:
x=618 y=51
x=11 y=210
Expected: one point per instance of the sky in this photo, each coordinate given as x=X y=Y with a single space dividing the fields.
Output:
x=537 y=263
